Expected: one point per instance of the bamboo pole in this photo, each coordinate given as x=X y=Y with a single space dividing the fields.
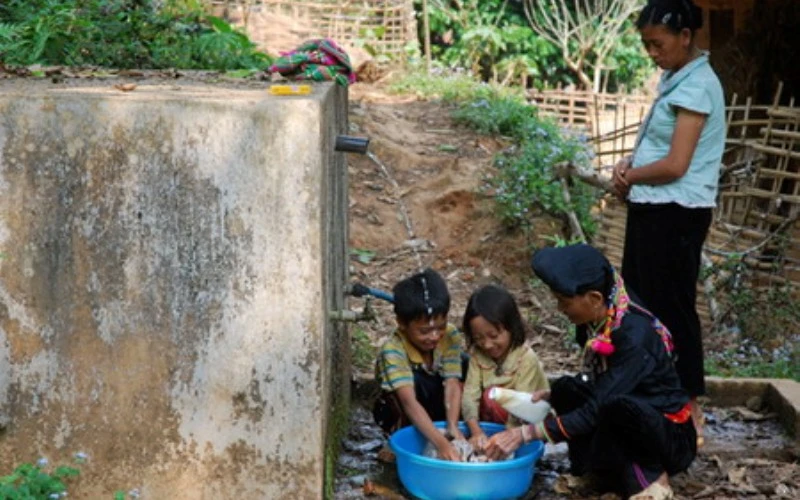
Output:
x=426 y=27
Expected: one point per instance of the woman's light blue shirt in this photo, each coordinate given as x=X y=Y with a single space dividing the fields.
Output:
x=694 y=87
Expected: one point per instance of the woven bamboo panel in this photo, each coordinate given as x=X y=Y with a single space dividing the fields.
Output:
x=759 y=204
x=611 y=120
x=385 y=26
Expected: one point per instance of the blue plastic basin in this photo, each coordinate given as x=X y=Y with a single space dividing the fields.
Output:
x=434 y=479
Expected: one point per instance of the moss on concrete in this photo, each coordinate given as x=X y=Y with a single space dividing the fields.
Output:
x=338 y=424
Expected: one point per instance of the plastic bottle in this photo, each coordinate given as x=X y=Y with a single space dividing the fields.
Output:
x=520 y=405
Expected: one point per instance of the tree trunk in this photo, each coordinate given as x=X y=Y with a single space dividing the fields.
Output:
x=577 y=68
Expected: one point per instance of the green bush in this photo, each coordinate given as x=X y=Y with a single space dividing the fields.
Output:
x=525 y=179
x=32 y=482
x=494 y=40
x=761 y=321
x=449 y=86
x=121 y=34
x=363 y=353
x=749 y=360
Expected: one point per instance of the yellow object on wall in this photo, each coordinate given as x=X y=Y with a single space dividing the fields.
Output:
x=290 y=89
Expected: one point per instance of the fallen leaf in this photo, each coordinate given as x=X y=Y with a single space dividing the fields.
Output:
x=375 y=489
x=567 y=483
x=762 y=462
x=707 y=492
x=561 y=486
x=125 y=87
x=386 y=455
x=738 y=476
x=751 y=416
x=369 y=487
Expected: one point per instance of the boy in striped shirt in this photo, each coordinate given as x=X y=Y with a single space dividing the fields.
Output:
x=421 y=366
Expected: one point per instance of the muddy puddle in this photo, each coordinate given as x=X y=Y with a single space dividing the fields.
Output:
x=746 y=455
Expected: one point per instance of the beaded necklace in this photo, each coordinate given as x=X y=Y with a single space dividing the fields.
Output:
x=619 y=303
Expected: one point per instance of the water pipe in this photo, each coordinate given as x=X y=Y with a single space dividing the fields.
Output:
x=350 y=144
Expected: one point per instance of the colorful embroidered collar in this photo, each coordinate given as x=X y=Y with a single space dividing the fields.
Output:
x=618 y=305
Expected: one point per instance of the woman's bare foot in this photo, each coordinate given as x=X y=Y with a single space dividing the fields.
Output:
x=658 y=490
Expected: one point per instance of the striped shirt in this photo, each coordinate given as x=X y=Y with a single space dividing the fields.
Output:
x=399 y=358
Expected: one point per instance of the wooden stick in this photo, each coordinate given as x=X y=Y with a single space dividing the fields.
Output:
x=564 y=170
x=613 y=152
x=708 y=288
x=781 y=227
x=574 y=223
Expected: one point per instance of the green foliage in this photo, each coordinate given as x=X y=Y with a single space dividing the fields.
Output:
x=526 y=181
x=493 y=40
x=449 y=86
x=366 y=40
x=559 y=241
x=766 y=314
x=31 y=482
x=362 y=255
x=498 y=115
x=227 y=48
x=737 y=362
x=122 y=34
x=630 y=66
x=362 y=351
x=762 y=323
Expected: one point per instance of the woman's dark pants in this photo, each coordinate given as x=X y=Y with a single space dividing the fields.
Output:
x=632 y=443
x=661 y=264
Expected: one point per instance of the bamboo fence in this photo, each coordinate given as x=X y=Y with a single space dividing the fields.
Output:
x=759 y=203
x=385 y=26
x=611 y=120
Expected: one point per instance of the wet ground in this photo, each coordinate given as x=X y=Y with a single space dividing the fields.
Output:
x=747 y=455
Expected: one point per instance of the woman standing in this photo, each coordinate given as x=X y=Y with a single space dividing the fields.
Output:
x=671 y=183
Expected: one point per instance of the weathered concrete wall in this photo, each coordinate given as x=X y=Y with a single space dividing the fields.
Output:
x=169 y=258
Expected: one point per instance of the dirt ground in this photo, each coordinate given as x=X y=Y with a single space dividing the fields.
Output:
x=422 y=200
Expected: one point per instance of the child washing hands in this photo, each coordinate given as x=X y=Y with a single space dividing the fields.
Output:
x=495 y=334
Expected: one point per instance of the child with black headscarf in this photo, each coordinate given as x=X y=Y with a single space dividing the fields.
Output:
x=625 y=416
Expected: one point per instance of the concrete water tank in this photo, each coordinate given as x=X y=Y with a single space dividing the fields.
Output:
x=168 y=258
